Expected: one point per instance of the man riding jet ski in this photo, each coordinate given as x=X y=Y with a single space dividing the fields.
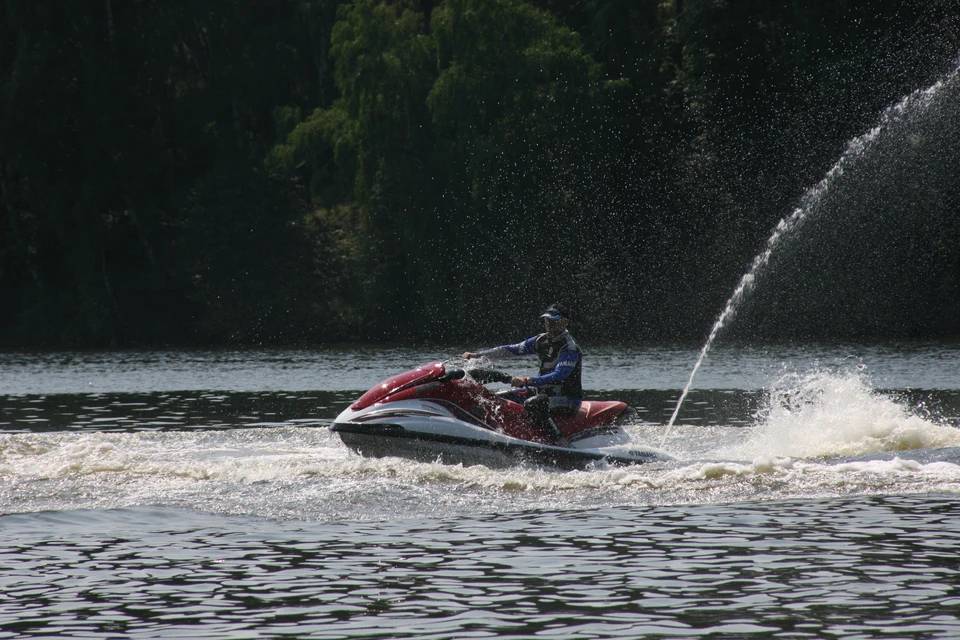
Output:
x=557 y=391
x=441 y=413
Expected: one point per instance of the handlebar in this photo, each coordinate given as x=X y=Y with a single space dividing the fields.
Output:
x=453 y=373
x=485 y=376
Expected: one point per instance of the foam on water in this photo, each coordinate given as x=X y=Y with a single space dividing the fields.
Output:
x=820 y=414
x=282 y=474
x=236 y=455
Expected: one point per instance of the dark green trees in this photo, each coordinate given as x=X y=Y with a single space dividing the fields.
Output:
x=459 y=139
x=116 y=117
x=310 y=170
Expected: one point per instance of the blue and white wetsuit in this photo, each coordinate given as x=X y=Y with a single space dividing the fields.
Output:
x=561 y=364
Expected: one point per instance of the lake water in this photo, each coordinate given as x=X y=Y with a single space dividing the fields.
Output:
x=814 y=493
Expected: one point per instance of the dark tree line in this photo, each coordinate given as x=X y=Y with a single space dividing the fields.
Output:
x=314 y=170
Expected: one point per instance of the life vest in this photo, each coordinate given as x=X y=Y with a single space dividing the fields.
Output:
x=549 y=351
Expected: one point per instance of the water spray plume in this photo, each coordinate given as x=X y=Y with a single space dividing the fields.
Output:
x=856 y=148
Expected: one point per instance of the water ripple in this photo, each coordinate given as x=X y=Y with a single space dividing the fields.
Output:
x=801 y=569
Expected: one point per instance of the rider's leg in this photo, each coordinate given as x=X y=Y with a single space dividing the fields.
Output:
x=539 y=409
x=562 y=407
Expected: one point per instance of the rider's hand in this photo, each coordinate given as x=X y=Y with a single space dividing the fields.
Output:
x=468 y=355
x=519 y=382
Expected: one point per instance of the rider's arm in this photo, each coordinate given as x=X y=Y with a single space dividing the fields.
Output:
x=566 y=363
x=510 y=350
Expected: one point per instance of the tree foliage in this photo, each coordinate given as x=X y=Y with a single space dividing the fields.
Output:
x=310 y=170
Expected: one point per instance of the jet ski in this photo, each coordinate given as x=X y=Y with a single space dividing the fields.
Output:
x=439 y=413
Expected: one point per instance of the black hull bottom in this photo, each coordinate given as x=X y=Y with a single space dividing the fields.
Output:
x=384 y=440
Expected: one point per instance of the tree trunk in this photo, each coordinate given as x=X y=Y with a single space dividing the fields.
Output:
x=147 y=245
x=15 y=226
x=235 y=109
x=110 y=28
